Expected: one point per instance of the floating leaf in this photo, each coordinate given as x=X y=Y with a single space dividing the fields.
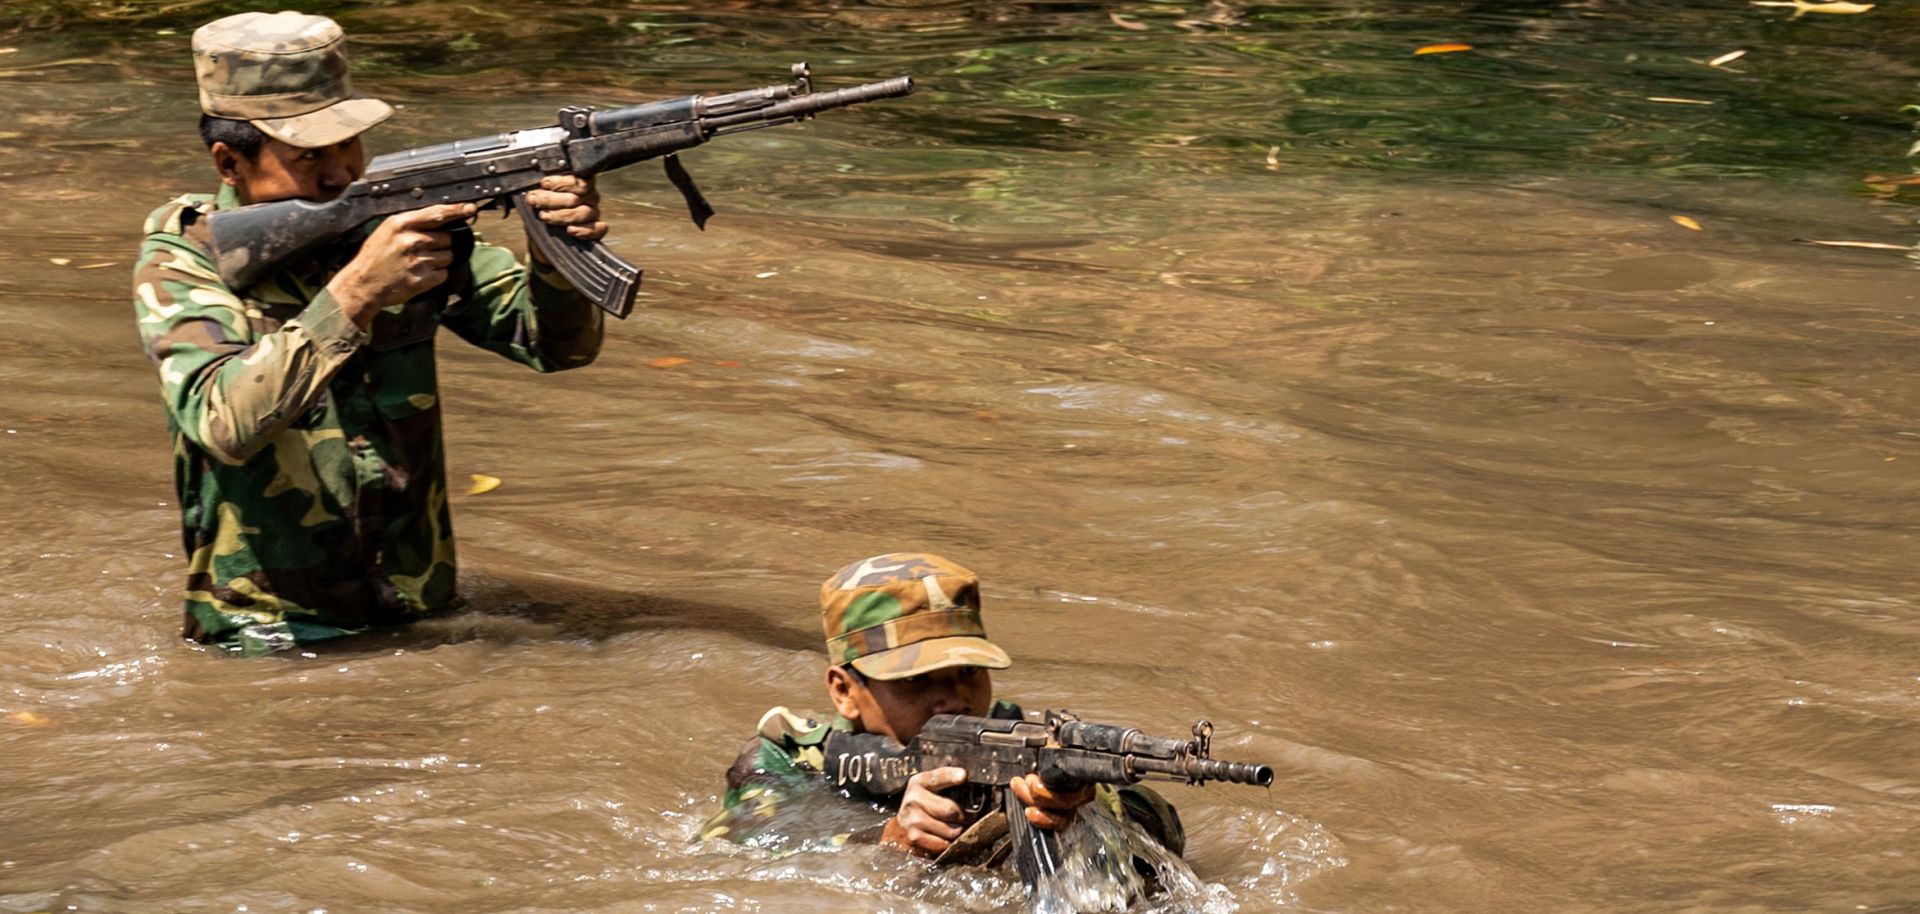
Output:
x=1685 y=222
x=59 y=261
x=1447 y=48
x=726 y=363
x=1803 y=7
x=9 y=50
x=1677 y=101
x=1273 y=157
x=671 y=361
x=1126 y=23
x=483 y=483
x=1868 y=245
x=1728 y=57
x=94 y=266
x=28 y=719
x=986 y=414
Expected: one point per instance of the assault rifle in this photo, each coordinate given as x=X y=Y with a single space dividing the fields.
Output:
x=500 y=169
x=1067 y=752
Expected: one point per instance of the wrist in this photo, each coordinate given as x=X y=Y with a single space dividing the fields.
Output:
x=894 y=835
x=353 y=298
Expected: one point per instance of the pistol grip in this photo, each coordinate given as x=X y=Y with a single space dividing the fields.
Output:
x=596 y=272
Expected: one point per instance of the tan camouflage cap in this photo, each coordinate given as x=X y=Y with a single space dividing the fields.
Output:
x=905 y=613
x=285 y=73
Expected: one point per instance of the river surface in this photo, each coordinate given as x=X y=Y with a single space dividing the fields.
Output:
x=1558 y=555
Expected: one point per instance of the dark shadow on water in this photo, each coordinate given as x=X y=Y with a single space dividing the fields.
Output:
x=507 y=612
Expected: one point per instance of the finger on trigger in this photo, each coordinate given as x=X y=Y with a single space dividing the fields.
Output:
x=436 y=215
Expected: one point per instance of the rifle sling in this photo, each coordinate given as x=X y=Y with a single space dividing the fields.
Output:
x=697 y=205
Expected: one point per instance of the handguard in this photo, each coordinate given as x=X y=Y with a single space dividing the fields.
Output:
x=592 y=269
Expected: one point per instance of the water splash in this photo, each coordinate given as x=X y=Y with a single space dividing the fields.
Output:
x=1108 y=863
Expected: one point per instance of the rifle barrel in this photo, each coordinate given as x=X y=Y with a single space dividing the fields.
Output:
x=1207 y=769
x=800 y=106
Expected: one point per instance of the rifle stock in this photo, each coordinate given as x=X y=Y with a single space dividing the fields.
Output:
x=251 y=240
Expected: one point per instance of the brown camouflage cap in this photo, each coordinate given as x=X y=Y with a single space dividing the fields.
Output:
x=285 y=73
x=905 y=613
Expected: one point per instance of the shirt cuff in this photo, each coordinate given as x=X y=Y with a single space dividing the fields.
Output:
x=331 y=329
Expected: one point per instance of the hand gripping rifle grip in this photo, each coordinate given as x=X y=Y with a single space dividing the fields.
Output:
x=594 y=271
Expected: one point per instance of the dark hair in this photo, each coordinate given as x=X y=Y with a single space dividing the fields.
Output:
x=858 y=676
x=240 y=136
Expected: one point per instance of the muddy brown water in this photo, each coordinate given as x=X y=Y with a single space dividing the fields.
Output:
x=1558 y=557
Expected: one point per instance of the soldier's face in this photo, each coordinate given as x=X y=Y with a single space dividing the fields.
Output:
x=286 y=172
x=900 y=707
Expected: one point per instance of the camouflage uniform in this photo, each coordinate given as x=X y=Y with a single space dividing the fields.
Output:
x=307 y=452
x=890 y=617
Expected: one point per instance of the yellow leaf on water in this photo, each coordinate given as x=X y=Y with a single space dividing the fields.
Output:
x=28 y=718
x=483 y=483
x=1803 y=7
x=1126 y=23
x=94 y=266
x=1677 y=101
x=1273 y=157
x=9 y=50
x=1447 y=48
x=671 y=361
x=1869 y=245
x=1728 y=57
x=59 y=261
x=1685 y=222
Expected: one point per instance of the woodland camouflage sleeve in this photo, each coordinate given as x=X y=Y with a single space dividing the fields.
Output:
x=229 y=388
x=530 y=316
x=1153 y=813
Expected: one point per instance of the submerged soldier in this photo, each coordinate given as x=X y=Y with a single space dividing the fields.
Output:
x=904 y=642
x=304 y=409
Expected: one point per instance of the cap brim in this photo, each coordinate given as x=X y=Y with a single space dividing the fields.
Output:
x=933 y=654
x=336 y=123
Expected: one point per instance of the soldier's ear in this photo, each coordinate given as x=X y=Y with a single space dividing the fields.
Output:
x=840 y=690
x=226 y=161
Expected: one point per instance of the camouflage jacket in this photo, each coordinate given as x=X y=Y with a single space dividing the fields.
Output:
x=781 y=768
x=307 y=452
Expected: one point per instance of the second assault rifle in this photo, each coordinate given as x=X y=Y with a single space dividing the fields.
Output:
x=1067 y=752
x=250 y=241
